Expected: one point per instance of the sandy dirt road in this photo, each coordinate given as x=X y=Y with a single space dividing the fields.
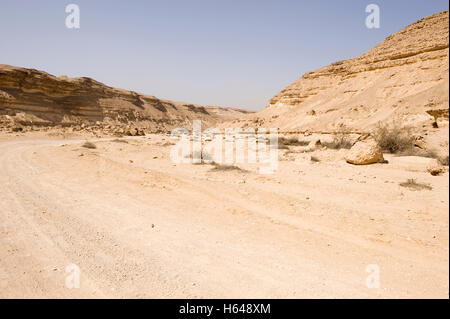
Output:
x=138 y=225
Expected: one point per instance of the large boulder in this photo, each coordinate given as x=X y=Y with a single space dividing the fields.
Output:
x=365 y=152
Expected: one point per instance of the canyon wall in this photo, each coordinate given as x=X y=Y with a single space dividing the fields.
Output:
x=32 y=97
x=404 y=78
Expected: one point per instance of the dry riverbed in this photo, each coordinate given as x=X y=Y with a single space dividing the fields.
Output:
x=138 y=225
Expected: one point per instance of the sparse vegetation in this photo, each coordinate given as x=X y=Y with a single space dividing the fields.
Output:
x=167 y=144
x=89 y=145
x=413 y=185
x=282 y=147
x=340 y=140
x=205 y=158
x=221 y=167
x=417 y=151
x=284 y=142
x=394 y=138
x=315 y=159
x=443 y=160
x=117 y=140
x=424 y=153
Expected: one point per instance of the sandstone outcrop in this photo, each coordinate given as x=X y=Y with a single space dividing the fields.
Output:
x=32 y=97
x=404 y=77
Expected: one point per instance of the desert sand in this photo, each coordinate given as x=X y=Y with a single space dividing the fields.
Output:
x=138 y=225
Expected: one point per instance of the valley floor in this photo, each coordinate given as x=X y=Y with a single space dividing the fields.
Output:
x=139 y=226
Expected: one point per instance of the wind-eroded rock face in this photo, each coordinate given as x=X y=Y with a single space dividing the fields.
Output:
x=35 y=97
x=406 y=77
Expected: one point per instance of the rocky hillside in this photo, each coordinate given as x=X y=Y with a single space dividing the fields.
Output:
x=406 y=77
x=32 y=97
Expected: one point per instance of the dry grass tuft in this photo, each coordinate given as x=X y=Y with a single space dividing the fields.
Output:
x=340 y=141
x=117 y=140
x=443 y=160
x=413 y=185
x=284 y=142
x=167 y=144
x=205 y=158
x=89 y=145
x=221 y=167
x=283 y=147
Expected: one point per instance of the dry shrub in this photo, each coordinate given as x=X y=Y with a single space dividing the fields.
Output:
x=205 y=158
x=167 y=144
x=394 y=138
x=282 y=147
x=340 y=140
x=284 y=142
x=413 y=185
x=120 y=141
x=443 y=160
x=221 y=167
x=89 y=145
x=315 y=159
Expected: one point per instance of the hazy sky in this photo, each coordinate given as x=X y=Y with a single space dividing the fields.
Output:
x=228 y=53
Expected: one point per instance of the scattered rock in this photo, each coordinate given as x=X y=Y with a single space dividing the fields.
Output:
x=420 y=143
x=435 y=168
x=315 y=143
x=135 y=132
x=365 y=152
x=314 y=159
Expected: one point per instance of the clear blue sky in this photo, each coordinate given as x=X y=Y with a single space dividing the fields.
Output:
x=228 y=53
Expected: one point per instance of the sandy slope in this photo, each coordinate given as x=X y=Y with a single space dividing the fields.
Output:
x=138 y=225
x=404 y=78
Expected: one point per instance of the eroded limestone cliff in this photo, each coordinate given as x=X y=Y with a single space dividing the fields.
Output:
x=406 y=77
x=32 y=97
